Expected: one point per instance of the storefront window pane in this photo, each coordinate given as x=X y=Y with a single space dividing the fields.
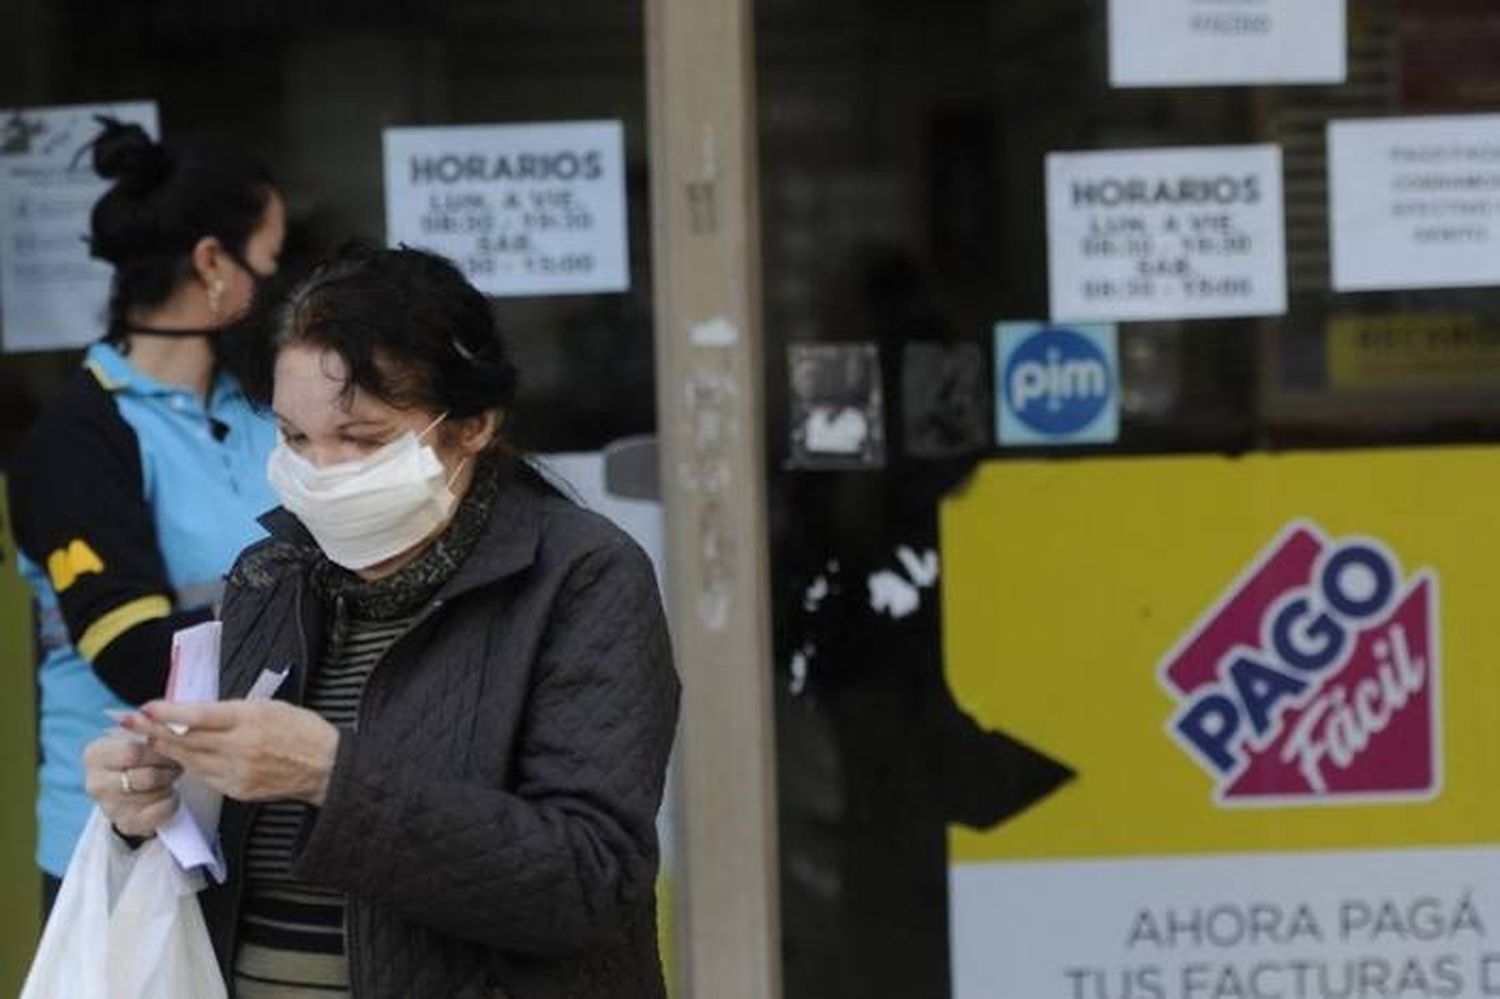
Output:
x=904 y=212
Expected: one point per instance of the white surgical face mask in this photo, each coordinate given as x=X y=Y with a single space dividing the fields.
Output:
x=366 y=511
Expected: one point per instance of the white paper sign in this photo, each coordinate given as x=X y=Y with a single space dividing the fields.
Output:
x=523 y=209
x=1175 y=43
x=1166 y=234
x=1313 y=925
x=1415 y=202
x=54 y=295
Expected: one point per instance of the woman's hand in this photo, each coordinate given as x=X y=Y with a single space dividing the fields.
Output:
x=246 y=750
x=132 y=784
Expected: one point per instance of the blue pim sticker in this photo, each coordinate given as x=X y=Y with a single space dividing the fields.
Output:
x=1057 y=384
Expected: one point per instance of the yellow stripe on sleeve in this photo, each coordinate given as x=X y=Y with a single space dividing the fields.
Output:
x=120 y=620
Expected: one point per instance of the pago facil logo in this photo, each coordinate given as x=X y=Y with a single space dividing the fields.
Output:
x=1314 y=678
x=1056 y=384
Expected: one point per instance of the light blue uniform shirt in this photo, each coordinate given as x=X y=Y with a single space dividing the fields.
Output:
x=204 y=492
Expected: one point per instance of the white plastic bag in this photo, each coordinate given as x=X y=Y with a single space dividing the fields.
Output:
x=126 y=925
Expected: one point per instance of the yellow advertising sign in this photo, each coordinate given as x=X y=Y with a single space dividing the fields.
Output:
x=1291 y=653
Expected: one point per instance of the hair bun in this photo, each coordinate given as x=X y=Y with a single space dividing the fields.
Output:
x=124 y=152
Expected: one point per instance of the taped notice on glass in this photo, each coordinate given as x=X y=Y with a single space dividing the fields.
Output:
x=52 y=292
x=522 y=209
x=1415 y=202
x=1164 y=234
x=1176 y=43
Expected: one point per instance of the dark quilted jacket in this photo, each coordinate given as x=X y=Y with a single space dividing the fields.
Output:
x=491 y=818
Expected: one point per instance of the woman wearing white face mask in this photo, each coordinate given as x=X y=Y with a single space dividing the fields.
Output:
x=371 y=509
x=457 y=795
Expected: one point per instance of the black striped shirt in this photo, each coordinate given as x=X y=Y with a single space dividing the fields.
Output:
x=291 y=940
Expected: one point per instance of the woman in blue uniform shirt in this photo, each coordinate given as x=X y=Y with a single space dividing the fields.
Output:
x=142 y=479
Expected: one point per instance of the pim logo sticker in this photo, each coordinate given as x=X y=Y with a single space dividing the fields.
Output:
x=1314 y=678
x=1056 y=384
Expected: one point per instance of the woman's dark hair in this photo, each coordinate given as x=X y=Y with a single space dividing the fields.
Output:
x=166 y=197
x=411 y=329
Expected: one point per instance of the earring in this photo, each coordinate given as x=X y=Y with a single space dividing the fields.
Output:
x=215 y=294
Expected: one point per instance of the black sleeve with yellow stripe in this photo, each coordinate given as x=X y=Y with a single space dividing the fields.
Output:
x=79 y=509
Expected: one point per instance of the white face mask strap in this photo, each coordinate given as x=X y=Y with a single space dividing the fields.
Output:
x=441 y=417
x=457 y=472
